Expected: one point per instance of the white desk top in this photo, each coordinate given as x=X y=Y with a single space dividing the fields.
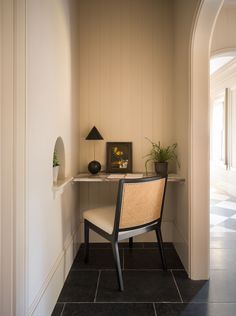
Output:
x=107 y=177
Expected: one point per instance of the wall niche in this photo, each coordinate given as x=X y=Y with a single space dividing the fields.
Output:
x=59 y=156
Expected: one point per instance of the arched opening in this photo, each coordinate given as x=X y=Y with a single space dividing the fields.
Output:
x=59 y=156
x=222 y=154
x=200 y=139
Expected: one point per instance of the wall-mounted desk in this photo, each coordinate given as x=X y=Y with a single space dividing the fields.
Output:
x=107 y=177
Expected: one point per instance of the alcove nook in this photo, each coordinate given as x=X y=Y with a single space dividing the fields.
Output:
x=59 y=149
x=62 y=180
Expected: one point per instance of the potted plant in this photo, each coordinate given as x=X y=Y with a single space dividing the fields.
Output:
x=160 y=155
x=56 y=166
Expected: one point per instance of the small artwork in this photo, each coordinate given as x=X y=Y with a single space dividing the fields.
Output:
x=119 y=157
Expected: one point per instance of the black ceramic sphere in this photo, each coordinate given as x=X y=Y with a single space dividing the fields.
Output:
x=94 y=167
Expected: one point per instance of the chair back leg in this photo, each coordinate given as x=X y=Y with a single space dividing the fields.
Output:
x=86 y=241
x=161 y=248
x=116 y=255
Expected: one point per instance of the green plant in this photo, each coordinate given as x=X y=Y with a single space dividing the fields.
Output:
x=161 y=153
x=55 y=160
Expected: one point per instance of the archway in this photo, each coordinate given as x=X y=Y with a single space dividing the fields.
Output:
x=199 y=138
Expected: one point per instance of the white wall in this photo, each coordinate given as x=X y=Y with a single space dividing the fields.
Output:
x=52 y=112
x=224 y=32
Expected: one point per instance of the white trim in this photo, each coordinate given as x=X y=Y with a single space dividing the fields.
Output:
x=6 y=143
x=20 y=168
x=46 y=283
x=69 y=243
x=199 y=138
x=13 y=140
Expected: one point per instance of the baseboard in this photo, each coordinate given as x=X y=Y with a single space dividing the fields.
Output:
x=47 y=296
x=181 y=246
x=166 y=227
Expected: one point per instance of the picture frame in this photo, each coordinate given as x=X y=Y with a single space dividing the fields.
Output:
x=119 y=157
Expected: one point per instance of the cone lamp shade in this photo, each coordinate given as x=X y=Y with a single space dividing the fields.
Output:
x=94 y=166
x=94 y=134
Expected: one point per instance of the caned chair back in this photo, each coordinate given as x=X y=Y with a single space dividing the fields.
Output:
x=141 y=202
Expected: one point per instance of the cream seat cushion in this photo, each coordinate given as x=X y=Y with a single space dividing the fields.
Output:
x=102 y=217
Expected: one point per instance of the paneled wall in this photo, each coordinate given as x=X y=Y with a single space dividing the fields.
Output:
x=125 y=75
x=125 y=86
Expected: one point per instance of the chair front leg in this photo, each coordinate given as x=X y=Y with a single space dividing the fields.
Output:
x=161 y=248
x=86 y=241
x=116 y=255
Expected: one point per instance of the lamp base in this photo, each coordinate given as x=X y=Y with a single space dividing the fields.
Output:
x=94 y=167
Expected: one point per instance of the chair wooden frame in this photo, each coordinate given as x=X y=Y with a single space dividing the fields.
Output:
x=129 y=232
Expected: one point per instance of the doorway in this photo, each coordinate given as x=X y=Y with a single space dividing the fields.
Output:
x=222 y=160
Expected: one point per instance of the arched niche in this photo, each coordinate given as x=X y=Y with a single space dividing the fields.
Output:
x=59 y=148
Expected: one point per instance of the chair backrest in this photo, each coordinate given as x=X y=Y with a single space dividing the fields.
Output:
x=140 y=202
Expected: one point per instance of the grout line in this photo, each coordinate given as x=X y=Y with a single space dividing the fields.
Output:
x=141 y=269
x=63 y=309
x=135 y=302
x=177 y=286
x=142 y=302
x=154 y=307
x=96 y=292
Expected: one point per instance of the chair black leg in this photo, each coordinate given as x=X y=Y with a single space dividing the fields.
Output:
x=86 y=241
x=131 y=242
x=116 y=255
x=161 y=248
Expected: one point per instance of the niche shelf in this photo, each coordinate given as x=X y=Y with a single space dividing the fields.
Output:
x=61 y=184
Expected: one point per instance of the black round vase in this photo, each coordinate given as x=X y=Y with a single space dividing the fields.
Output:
x=94 y=167
x=161 y=168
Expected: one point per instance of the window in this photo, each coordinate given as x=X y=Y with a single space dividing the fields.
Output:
x=223 y=130
x=218 y=131
x=232 y=130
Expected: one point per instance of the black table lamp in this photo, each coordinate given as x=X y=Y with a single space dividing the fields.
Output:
x=94 y=166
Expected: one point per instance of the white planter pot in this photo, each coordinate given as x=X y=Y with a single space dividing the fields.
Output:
x=55 y=174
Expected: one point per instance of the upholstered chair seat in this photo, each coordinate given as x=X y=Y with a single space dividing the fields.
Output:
x=102 y=217
x=138 y=210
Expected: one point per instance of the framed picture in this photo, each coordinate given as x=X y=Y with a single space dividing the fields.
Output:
x=119 y=157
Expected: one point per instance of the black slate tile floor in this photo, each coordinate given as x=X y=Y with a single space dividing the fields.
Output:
x=93 y=290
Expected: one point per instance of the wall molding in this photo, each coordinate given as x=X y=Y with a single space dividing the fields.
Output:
x=70 y=243
x=13 y=146
x=181 y=245
x=20 y=154
x=199 y=177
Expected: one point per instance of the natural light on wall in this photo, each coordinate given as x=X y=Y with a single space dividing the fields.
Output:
x=218 y=62
x=217 y=132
